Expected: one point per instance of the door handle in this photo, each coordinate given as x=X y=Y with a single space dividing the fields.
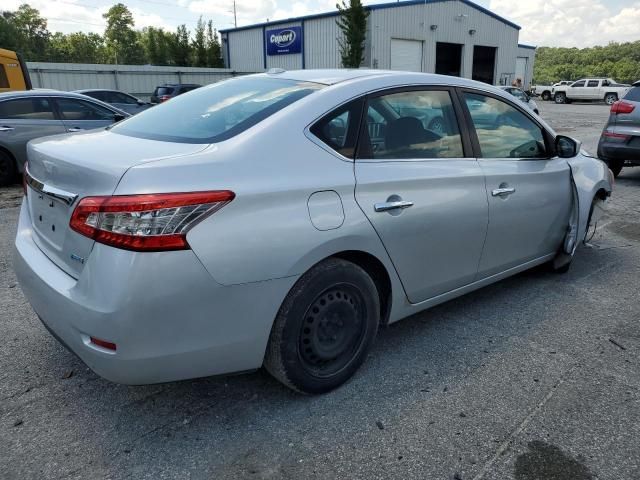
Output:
x=503 y=192
x=6 y=129
x=386 y=206
x=75 y=129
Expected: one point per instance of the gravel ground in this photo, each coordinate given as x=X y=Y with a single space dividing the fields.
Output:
x=534 y=378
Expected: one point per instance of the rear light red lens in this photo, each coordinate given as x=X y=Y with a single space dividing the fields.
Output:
x=103 y=343
x=622 y=107
x=149 y=222
x=164 y=98
x=617 y=136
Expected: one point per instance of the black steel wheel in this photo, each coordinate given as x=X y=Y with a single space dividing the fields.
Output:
x=325 y=327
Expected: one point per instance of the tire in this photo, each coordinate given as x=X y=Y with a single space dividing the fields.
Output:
x=8 y=170
x=325 y=327
x=610 y=98
x=437 y=125
x=615 y=166
x=560 y=98
x=546 y=96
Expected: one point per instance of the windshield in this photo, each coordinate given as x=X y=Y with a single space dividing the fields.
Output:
x=216 y=112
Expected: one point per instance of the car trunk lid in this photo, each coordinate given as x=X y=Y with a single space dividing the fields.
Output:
x=66 y=168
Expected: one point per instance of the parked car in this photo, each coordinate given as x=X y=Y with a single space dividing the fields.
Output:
x=590 y=90
x=523 y=97
x=255 y=222
x=169 y=90
x=37 y=113
x=544 y=91
x=619 y=144
x=120 y=100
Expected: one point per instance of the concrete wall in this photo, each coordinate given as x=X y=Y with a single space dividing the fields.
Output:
x=138 y=80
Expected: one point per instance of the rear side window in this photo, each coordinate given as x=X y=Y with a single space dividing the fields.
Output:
x=164 y=91
x=339 y=129
x=4 y=81
x=97 y=95
x=416 y=124
x=216 y=112
x=27 y=109
x=593 y=83
x=633 y=95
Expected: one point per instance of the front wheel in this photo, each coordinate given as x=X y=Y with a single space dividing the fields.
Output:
x=560 y=98
x=325 y=327
x=546 y=96
x=610 y=98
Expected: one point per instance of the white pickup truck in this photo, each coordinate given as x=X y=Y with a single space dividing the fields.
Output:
x=544 y=91
x=590 y=90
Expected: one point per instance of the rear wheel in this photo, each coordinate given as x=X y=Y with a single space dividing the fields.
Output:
x=546 y=96
x=560 y=98
x=610 y=98
x=8 y=169
x=324 y=328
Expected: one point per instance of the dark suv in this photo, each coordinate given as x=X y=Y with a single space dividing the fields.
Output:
x=170 y=90
x=620 y=141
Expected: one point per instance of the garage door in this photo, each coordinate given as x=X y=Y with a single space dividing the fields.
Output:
x=406 y=55
x=521 y=69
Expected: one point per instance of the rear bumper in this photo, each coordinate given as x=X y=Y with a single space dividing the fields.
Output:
x=169 y=319
x=613 y=151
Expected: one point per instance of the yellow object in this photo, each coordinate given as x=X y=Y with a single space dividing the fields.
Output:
x=13 y=72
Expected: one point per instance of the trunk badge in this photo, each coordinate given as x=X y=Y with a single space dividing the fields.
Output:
x=77 y=258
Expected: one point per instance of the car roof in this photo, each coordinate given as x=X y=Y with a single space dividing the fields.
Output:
x=180 y=85
x=85 y=90
x=42 y=92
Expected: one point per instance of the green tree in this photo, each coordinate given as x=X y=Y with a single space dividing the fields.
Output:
x=214 y=49
x=353 y=24
x=122 y=40
x=180 y=47
x=156 y=43
x=9 y=34
x=199 y=45
x=32 y=34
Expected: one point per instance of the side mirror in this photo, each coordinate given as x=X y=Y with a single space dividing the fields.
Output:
x=141 y=103
x=567 y=147
x=118 y=117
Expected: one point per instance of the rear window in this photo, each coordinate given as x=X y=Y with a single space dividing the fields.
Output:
x=4 y=81
x=216 y=112
x=37 y=108
x=164 y=91
x=633 y=95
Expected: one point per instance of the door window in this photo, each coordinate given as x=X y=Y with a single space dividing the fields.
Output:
x=593 y=83
x=339 y=129
x=413 y=124
x=579 y=84
x=504 y=131
x=37 y=108
x=78 y=110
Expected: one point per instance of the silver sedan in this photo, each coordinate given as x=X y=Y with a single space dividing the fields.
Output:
x=280 y=219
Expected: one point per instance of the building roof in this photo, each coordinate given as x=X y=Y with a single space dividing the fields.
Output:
x=531 y=47
x=378 y=6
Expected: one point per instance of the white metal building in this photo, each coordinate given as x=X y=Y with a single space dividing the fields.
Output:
x=453 y=37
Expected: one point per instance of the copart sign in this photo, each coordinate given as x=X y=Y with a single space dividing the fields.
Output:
x=284 y=41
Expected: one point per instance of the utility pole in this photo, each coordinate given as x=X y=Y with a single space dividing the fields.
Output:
x=235 y=18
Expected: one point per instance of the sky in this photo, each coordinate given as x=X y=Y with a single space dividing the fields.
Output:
x=565 y=23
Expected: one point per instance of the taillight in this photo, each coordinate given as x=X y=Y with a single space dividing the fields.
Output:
x=622 y=107
x=148 y=222
x=164 y=98
x=619 y=137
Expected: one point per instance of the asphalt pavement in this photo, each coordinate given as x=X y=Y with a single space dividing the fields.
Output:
x=534 y=378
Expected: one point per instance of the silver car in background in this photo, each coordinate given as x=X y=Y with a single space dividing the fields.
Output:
x=38 y=113
x=523 y=97
x=256 y=222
